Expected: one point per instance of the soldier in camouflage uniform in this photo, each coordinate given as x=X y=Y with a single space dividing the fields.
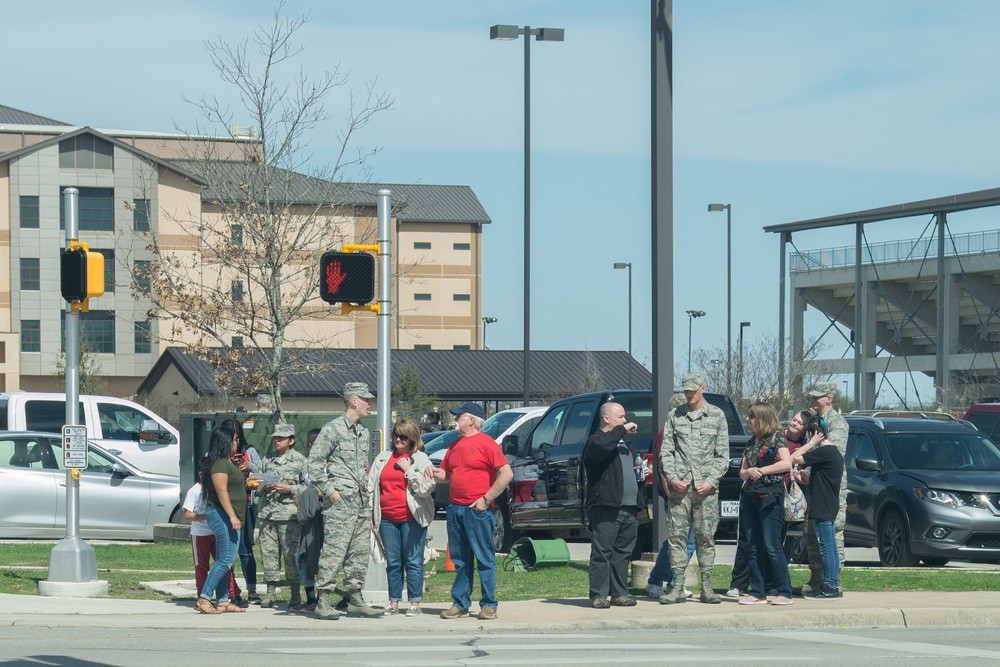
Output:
x=694 y=457
x=835 y=426
x=337 y=466
x=278 y=514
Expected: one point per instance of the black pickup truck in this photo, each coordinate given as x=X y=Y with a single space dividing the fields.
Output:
x=545 y=496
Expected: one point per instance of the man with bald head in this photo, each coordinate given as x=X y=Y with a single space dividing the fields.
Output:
x=613 y=499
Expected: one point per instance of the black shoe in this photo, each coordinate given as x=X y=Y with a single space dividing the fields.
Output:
x=825 y=592
x=240 y=602
x=253 y=598
x=342 y=605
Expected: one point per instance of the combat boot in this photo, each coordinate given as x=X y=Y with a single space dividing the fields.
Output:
x=815 y=581
x=267 y=601
x=676 y=594
x=708 y=595
x=295 y=601
x=356 y=608
x=324 y=609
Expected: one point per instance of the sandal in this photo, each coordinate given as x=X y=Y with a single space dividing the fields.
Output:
x=203 y=606
x=228 y=607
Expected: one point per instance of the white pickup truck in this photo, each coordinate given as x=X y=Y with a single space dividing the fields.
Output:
x=125 y=428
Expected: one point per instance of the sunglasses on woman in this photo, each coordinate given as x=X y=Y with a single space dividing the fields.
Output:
x=400 y=436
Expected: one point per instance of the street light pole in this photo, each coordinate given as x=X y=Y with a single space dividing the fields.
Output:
x=487 y=320
x=712 y=208
x=508 y=33
x=628 y=265
x=691 y=315
x=742 y=326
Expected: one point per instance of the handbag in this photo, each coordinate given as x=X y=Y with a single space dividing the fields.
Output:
x=795 y=503
x=377 y=548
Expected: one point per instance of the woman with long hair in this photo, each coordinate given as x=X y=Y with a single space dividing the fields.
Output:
x=248 y=461
x=765 y=462
x=402 y=508
x=225 y=498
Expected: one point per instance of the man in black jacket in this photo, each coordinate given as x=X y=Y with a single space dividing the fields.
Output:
x=614 y=497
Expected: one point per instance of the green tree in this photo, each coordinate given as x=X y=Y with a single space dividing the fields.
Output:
x=408 y=397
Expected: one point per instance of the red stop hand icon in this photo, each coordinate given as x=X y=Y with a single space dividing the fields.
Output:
x=335 y=277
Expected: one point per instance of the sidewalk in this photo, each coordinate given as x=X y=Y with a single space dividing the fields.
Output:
x=855 y=610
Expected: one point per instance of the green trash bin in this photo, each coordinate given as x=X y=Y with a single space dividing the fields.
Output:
x=530 y=553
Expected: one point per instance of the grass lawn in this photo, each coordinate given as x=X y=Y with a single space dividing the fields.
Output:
x=125 y=565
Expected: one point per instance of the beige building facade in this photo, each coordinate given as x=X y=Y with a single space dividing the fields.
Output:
x=135 y=191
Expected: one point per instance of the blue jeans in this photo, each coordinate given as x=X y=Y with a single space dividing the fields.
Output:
x=826 y=535
x=217 y=580
x=247 y=560
x=661 y=574
x=470 y=539
x=404 y=550
x=764 y=525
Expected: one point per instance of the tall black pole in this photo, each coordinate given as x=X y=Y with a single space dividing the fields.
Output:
x=527 y=215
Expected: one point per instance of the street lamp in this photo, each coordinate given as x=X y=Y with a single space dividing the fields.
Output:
x=714 y=208
x=628 y=265
x=691 y=315
x=508 y=33
x=742 y=326
x=487 y=320
x=845 y=389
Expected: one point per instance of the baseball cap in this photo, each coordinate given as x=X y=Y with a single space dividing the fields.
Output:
x=471 y=408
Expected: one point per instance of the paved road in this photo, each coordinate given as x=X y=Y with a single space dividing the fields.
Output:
x=156 y=647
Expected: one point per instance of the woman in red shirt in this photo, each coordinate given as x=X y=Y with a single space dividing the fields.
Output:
x=402 y=508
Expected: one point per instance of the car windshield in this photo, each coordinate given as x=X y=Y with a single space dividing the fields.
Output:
x=440 y=442
x=499 y=423
x=943 y=451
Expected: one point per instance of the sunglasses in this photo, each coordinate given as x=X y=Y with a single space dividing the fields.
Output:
x=399 y=436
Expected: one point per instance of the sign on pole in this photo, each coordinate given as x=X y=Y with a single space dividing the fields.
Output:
x=75 y=448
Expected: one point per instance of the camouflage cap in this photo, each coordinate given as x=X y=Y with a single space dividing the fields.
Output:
x=283 y=431
x=359 y=389
x=692 y=382
x=677 y=400
x=823 y=389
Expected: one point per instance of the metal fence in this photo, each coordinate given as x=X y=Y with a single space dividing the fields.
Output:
x=974 y=243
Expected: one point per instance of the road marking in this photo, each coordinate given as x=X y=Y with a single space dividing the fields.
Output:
x=367 y=638
x=611 y=657
x=886 y=644
x=645 y=648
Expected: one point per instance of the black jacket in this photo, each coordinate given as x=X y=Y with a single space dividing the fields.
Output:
x=603 y=472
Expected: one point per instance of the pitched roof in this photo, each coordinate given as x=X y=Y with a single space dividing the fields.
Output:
x=12 y=116
x=437 y=203
x=447 y=374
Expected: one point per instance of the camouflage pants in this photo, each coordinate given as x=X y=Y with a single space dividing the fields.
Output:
x=687 y=510
x=278 y=541
x=812 y=542
x=346 y=543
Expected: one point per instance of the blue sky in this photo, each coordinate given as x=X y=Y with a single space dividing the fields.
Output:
x=787 y=110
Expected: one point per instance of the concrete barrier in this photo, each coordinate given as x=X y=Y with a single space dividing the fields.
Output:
x=171 y=532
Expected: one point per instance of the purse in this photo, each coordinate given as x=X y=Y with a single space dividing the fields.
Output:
x=795 y=503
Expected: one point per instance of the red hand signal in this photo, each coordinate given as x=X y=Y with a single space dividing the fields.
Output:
x=335 y=277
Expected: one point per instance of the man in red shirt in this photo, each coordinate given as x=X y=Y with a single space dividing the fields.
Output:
x=479 y=473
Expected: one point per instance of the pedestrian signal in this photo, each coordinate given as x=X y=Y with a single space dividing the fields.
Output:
x=81 y=273
x=347 y=277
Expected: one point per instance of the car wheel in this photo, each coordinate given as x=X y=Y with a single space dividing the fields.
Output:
x=178 y=516
x=934 y=562
x=894 y=542
x=503 y=536
x=795 y=549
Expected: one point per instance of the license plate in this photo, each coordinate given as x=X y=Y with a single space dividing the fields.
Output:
x=730 y=508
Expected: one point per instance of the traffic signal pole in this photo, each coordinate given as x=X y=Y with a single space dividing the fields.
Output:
x=72 y=562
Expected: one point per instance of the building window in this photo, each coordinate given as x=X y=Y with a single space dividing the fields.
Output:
x=29 y=212
x=96 y=206
x=461 y=297
x=142 y=276
x=143 y=338
x=236 y=234
x=85 y=151
x=461 y=347
x=31 y=274
x=109 y=270
x=140 y=215
x=421 y=245
x=237 y=291
x=421 y=297
x=237 y=342
x=97 y=331
x=421 y=347
x=462 y=246
x=31 y=335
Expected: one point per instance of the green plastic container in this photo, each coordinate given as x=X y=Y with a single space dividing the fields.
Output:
x=530 y=553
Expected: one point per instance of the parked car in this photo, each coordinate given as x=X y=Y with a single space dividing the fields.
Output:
x=117 y=500
x=427 y=437
x=922 y=489
x=551 y=456
x=122 y=427
x=505 y=426
x=986 y=418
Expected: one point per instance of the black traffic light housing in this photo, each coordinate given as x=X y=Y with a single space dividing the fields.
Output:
x=81 y=273
x=347 y=277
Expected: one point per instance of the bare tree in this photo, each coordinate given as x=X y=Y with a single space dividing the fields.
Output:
x=245 y=298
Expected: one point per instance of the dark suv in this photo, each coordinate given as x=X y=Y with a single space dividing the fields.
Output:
x=921 y=489
x=545 y=495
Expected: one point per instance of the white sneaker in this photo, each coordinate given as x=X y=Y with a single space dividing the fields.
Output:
x=687 y=593
x=414 y=611
x=733 y=593
x=654 y=591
